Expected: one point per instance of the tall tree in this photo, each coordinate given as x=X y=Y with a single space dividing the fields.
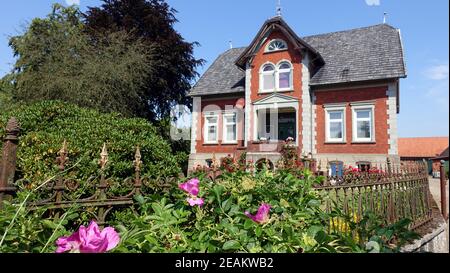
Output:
x=57 y=59
x=174 y=66
x=6 y=88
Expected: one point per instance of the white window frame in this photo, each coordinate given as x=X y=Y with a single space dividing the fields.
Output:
x=357 y=108
x=327 y=124
x=277 y=76
x=207 y=125
x=262 y=73
x=224 y=127
x=266 y=50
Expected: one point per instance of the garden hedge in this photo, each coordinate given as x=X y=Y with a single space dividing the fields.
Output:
x=45 y=125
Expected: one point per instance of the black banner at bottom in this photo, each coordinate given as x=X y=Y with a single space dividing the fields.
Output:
x=189 y=262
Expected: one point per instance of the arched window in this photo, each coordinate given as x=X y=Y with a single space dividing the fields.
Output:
x=276 y=45
x=284 y=76
x=267 y=80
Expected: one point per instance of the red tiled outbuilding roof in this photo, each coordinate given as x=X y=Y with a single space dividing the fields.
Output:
x=422 y=146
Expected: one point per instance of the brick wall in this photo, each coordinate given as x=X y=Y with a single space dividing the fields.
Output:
x=377 y=94
x=275 y=57
x=218 y=148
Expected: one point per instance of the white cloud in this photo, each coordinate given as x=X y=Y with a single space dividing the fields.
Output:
x=437 y=72
x=373 y=2
x=439 y=94
x=73 y=2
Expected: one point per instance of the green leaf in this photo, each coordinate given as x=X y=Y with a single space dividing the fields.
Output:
x=226 y=205
x=321 y=237
x=389 y=234
x=140 y=199
x=231 y=245
x=313 y=230
x=248 y=223
x=49 y=224
x=258 y=231
x=314 y=203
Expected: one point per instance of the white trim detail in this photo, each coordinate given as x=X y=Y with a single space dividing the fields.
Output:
x=224 y=127
x=314 y=125
x=276 y=75
x=207 y=115
x=391 y=102
x=273 y=103
x=276 y=98
x=266 y=50
x=196 y=105
x=262 y=73
x=367 y=106
x=248 y=106
x=307 y=111
x=327 y=125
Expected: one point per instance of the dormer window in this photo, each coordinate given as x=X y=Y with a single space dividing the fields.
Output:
x=276 y=45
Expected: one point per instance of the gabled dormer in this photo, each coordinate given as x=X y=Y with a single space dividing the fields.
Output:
x=266 y=41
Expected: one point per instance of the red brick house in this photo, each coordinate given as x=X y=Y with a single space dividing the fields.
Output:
x=335 y=94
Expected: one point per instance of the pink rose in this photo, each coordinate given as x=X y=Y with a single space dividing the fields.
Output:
x=89 y=240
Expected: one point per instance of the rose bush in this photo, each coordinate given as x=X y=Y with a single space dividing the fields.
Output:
x=239 y=212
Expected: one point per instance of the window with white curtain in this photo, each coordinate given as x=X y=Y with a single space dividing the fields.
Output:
x=363 y=124
x=267 y=80
x=211 y=127
x=229 y=127
x=284 y=76
x=335 y=124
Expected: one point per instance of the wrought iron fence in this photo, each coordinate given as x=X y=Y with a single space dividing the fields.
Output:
x=98 y=195
x=392 y=191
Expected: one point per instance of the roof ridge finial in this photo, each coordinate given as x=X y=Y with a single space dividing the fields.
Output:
x=279 y=8
x=384 y=17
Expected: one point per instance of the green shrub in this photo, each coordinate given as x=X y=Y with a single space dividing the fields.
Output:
x=297 y=223
x=44 y=126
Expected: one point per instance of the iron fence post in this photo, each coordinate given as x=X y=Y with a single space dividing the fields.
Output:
x=443 y=190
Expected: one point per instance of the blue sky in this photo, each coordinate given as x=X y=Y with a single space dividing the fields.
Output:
x=423 y=24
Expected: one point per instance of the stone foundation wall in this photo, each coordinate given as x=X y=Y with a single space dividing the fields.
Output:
x=352 y=159
x=435 y=241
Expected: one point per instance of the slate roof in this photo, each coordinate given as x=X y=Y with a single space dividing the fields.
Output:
x=427 y=147
x=223 y=76
x=369 y=53
x=362 y=54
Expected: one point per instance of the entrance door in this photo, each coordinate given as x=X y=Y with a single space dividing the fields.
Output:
x=286 y=125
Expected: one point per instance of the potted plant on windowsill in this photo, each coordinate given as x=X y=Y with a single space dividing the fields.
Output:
x=263 y=140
